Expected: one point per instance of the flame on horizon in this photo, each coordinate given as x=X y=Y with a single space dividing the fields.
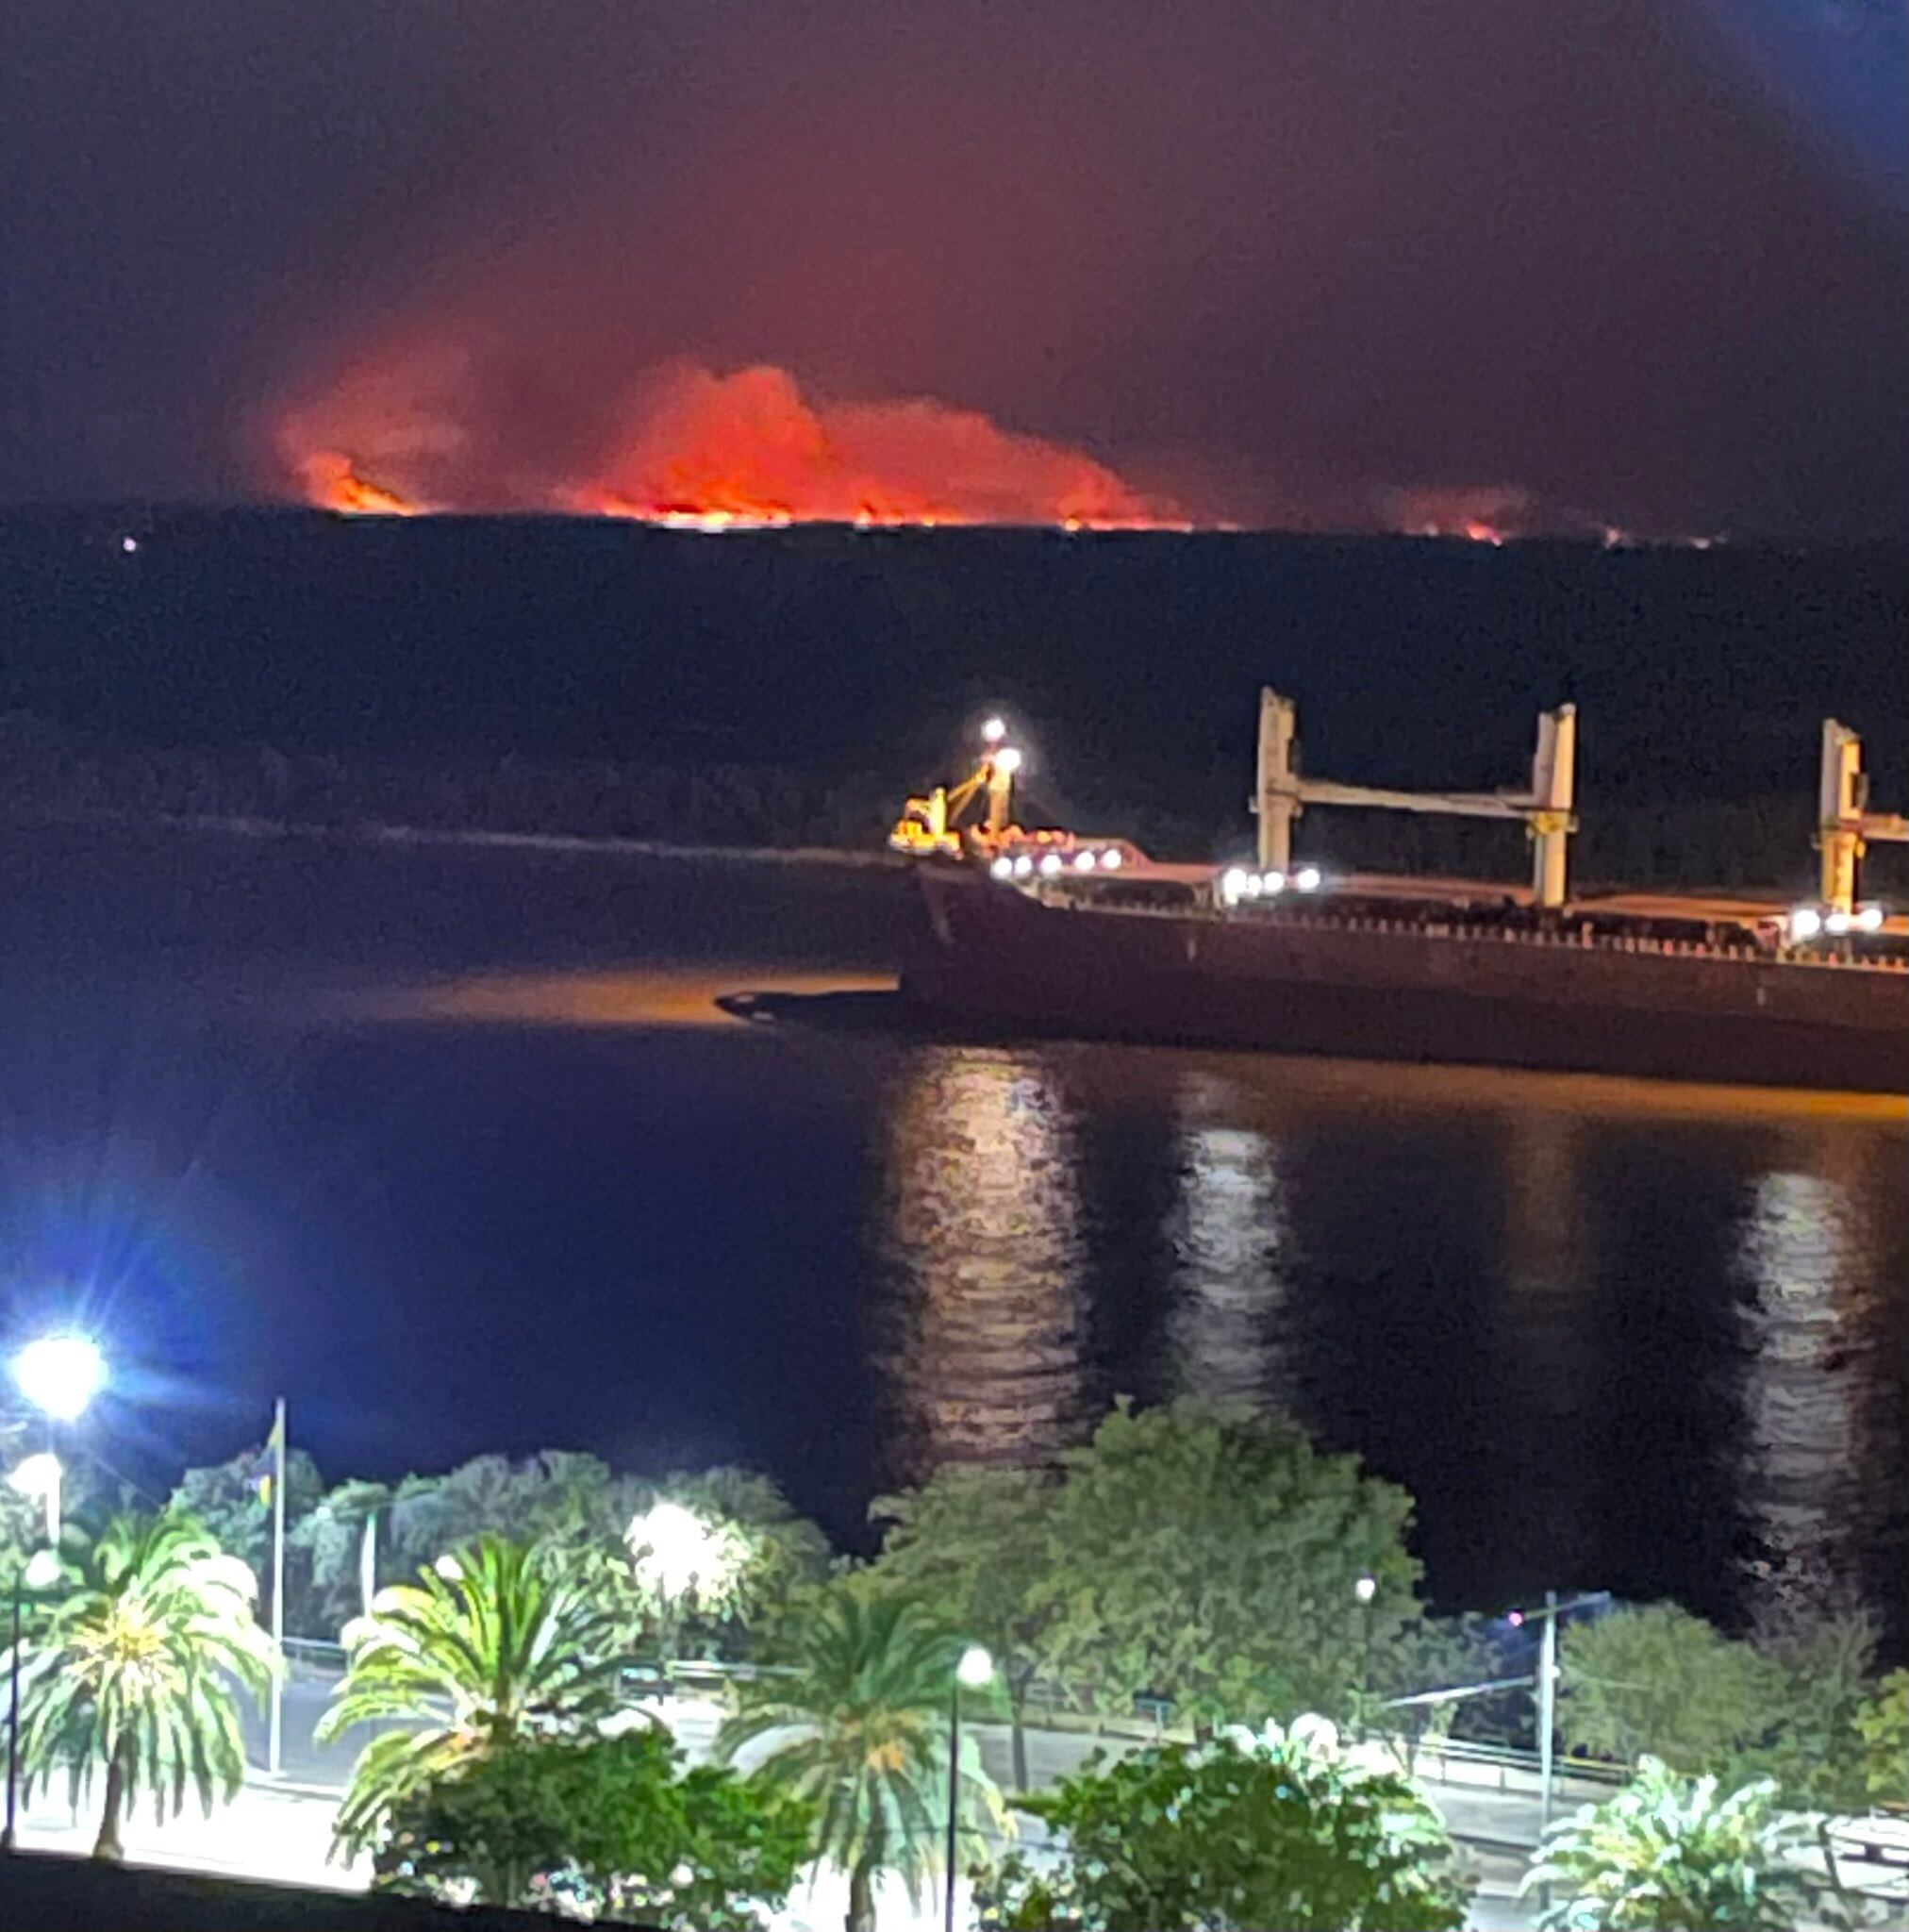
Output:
x=331 y=481
x=687 y=448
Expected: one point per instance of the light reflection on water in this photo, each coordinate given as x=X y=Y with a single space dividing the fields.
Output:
x=979 y=1241
x=1661 y=1354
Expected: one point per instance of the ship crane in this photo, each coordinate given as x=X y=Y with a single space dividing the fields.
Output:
x=932 y=826
x=1545 y=808
x=1845 y=825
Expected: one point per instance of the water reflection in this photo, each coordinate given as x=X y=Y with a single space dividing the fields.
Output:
x=1230 y=1246
x=981 y=1251
x=1806 y=1266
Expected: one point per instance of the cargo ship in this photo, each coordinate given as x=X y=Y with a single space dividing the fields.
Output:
x=1051 y=933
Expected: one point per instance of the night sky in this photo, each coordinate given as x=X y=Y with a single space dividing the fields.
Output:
x=1638 y=260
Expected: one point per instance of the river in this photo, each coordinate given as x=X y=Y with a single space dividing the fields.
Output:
x=453 y=1146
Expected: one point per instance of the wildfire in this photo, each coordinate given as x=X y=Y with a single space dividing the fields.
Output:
x=332 y=482
x=687 y=448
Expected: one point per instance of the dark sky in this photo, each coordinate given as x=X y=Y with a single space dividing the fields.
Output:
x=1642 y=257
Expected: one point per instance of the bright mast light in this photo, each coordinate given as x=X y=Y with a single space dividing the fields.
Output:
x=994 y=730
x=60 y=1374
x=1008 y=760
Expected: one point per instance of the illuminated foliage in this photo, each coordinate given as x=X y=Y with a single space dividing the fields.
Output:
x=132 y=1672
x=1668 y=1854
x=1884 y=1726
x=975 y=1541
x=1657 y=1679
x=1277 y=1829
x=612 y=1827
x=507 y=1644
x=856 y=1725
x=1210 y=1556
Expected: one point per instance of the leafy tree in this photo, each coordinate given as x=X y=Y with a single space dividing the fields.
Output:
x=1427 y=1655
x=1657 y=1680
x=579 y=1504
x=1668 y=1854
x=332 y=1541
x=492 y=1643
x=1210 y=1555
x=133 y=1670
x=1882 y=1724
x=1278 y=1829
x=975 y=1541
x=858 y=1729
x=608 y=1825
x=768 y=1555
x=230 y=1500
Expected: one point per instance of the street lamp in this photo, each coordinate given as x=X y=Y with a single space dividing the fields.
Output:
x=60 y=1374
x=38 y=1476
x=39 y=1571
x=1363 y=1591
x=675 y=1547
x=975 y=1669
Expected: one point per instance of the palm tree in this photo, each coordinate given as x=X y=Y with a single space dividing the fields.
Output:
x=858 y=1728
x=1670 y=1852
x=133 y=1669
x=497 y=1642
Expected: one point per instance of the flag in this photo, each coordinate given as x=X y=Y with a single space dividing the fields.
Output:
x=271 y=1460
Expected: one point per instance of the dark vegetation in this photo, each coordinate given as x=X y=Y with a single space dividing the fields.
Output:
x=577 y=678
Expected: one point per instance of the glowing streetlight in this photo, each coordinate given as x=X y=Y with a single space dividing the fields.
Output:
x=1008 y=760
x=60 y=1374
x=976 y=1668
x=1364 y=1591
x=39 y=1476
x=994 y=731
x=676 y=1550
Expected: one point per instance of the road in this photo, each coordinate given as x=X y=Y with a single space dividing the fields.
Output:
x=280 y=1827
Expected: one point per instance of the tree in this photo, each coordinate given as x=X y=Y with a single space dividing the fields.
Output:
x=1277 y=1829
x=1210 y=1555
x=1657 y=1680
x=858 y=1729
x=133 y=1671
x=337 y=1540
x=230 y=1500
x=494 y=1642
x=577 y=1504
x=1668 y=1854
x=1882 y=1724
x=609 y=1825
x=975 y=1543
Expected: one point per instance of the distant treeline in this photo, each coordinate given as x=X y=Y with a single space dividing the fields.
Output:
x=50 y=774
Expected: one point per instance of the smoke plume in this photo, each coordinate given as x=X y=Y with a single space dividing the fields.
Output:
x=436 y=431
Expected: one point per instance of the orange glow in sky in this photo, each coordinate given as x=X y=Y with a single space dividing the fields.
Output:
x=689 y=448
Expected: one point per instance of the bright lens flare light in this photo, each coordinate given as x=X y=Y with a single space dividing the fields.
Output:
x=60 y=1374
x=35 y=1476
x=677 y=1551
x=976 y=1667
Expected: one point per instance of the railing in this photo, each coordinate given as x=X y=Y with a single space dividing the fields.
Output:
x=1580 y=936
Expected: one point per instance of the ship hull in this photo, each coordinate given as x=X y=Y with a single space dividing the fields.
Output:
x=998 y=959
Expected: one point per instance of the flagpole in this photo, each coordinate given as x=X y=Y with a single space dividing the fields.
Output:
x=275 y=1742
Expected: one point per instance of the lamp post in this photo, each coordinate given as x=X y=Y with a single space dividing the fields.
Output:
x=60 y=1374
x=975 y=1669
x=1363 y=1591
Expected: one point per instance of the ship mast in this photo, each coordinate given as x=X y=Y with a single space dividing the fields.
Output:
x=1546 y=805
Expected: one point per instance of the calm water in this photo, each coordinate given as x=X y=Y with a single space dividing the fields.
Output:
x=453 y=1147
